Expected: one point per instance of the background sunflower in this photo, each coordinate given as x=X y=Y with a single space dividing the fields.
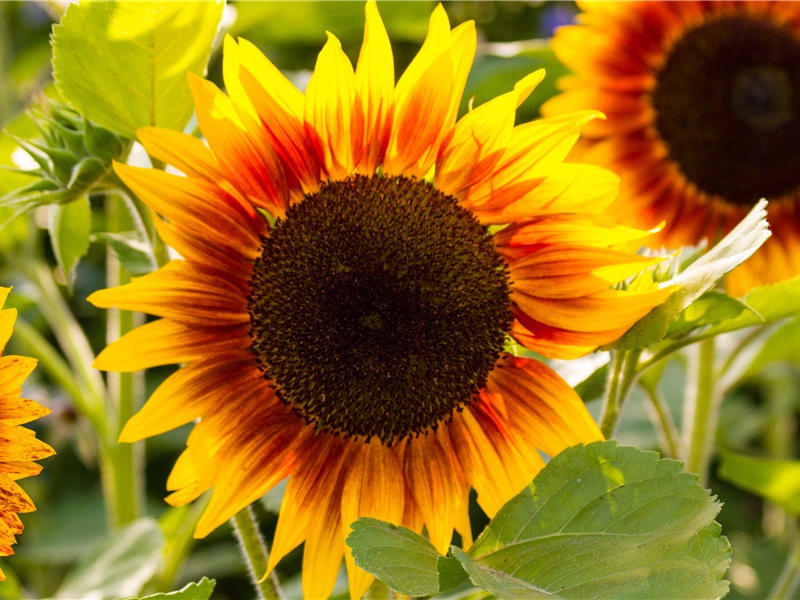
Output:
x=19 y=447
x=703 y=116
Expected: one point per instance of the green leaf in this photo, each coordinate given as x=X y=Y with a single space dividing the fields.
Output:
x=777 y=345
x=123 y=64
x=497 y=583
x=768 y=303
x=33 y=195
x=404 y=560
x=119 y=565
x=712 y=307
x=606 y=521
x=201 y=590
x=133 y=253
x=775 y=480
x=699 y=277
x=594 y=385
x=69 y=226
x=598 y=521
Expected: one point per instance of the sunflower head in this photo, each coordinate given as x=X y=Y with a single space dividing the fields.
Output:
x=18 y=446
x=703 y=106
x=354 y=259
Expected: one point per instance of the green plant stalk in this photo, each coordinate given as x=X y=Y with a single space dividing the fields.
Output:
x=254 y=551
x=179 y=543
x=622 y=376
x=664 y=423
x=789 y=579
x=52 y=363
x=701 y=411
x=128 y=460
x=76 y=348
x=73 y=342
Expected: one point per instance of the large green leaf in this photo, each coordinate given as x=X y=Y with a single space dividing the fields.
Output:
x=776 y=480
x=599 y=521
x=498 y=583
x=699 y=277
x=69 y=226
x=119 y=565
x=124 y=64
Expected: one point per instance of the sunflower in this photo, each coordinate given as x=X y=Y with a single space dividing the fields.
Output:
x=18 y=445
x=703 y=107
x=354 y=262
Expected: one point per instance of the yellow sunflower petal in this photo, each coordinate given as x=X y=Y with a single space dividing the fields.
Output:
x=254 y=466
x=437 y=486
x=246 y=159
x=184 y=152
x=13 y=371
x=270 y=78
x=191 y=204
x=185 y=395
x=427 y=96
x=179 y=292
x=542 y=406
x=374 y=82
x=19 y=444
x=165 y=342
x=493 y=463
x=480 y=139
x=330 y=99
x=302 y=502
x=373 y=487
x=18 y=411
x=619 y=309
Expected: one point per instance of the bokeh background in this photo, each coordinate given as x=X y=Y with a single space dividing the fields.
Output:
x=759 y=416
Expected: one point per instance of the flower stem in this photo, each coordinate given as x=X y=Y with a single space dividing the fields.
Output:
x=664 y=423
x=623 y=375
x=701 y=411
x=254 y=551
x=789 y=579
x=127 y=476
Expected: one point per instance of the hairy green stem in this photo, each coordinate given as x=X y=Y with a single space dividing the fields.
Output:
x=622 y=376
x=701 y=411
x=664 y=423
x=254 y=551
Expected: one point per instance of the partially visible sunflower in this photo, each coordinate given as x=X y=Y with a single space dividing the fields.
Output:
x=18 y=445
x=342 y=306
x=703 y=107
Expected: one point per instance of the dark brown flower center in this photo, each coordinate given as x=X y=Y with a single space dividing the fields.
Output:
x=727 y=103
x=378 y=307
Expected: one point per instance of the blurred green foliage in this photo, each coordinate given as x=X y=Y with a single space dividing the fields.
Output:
x=759 y=413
